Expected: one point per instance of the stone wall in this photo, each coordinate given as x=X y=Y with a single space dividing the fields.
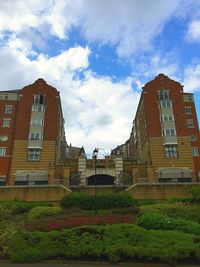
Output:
x=34 y=193
x=160 y=191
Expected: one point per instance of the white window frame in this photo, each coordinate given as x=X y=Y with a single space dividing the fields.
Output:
x=190 y=123
x=2 y=151
x=171 y=152
x=37 y=121
x=163 y=94
x=35 y=136
x=8 y=109
x=165 y=104
x=6 y=122
x=193 y=138
x=37 y=108
x=169 y=132
x=188 y=110
x=167 y=117
x=34 y=154
x=195 y=152
x=37 y=99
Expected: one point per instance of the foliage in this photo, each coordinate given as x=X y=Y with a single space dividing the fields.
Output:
x=20 y=207
x=176 y=210
x=42 y=212
x=103 y=201
x=114 y=242
x=158 y=221
x=149 y=201
x=72 y=221
x=195 y=191
x=126 y=211
x=7 y=232
x=5 y=213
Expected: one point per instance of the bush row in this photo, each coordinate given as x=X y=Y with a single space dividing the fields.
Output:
x=175 y=210
x=103 y=201
x=18 y=207
x=158 y=221
x=39 y=213
x=114 y=243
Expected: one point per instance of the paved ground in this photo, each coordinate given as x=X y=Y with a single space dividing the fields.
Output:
x=85 y=264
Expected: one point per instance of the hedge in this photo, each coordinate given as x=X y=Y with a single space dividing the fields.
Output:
x=183 y=211
x=157 y=221
x=19 y=207
x=103 y=201
x=114 y=243
x=42 y=213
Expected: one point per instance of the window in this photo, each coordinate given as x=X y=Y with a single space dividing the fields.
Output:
x=34 y=154
x=190 y=123
x=171 y=152
x=39 y=108
x=37 y=121
x=165 y=104
x=2 y=151
x=193 y=138
x=3 y=138
x=188 y=110
x=169 y=132
x=6 y=122
x=163 y=94
x=35 y=136
x=39 y=99
x=8 y=109
x=195 y=152
x=167 y=117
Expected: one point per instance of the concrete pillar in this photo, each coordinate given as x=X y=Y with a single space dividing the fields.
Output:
x=118 y=169
x=82 y=170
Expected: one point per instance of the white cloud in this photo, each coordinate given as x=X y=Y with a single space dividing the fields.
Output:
x=193 y=33
x=192 y=78
x=130 y=25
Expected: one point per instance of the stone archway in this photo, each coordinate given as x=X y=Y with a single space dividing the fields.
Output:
x=101 y=179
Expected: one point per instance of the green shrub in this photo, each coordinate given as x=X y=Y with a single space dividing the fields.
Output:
x=176 y=210
x=158 y=221
x=195 y=191
x=20 y=207
x=147 y=202
x=115 y=243
x=103 y=201
x=7 y=232
x=127 y=211
x=42 y=212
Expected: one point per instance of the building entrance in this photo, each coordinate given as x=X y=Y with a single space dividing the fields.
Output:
x=101 y=179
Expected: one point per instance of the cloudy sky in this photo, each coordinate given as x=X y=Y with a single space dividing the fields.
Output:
x=98 y=54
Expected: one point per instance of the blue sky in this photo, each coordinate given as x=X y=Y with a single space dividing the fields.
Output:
x=99 y=54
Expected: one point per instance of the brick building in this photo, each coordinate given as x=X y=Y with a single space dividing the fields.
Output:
x=32 y=138
x=165 y=136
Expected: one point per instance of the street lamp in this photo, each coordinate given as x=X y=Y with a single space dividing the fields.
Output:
x=95 y=153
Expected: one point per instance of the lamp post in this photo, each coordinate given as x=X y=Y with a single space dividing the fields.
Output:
x=95 y=153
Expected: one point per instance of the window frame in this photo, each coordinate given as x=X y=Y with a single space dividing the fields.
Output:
x=8 y=109
x=195 y=151
x=5 y=120
x=34 y=154
x=34 y=122
x=36 y=136
x=164 y=104
x=171 y=151
x=188 y=108
x=192 y=123
x=3 y=149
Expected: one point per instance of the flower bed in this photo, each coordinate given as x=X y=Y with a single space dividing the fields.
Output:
x=78 y=221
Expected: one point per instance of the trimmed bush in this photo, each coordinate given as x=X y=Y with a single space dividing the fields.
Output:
x=103 y=201
x=39 y=213
x=158 y=221
x=176 y=210
x=20 y=207
x=114 y=243
x=7 y=232
x=195 y=191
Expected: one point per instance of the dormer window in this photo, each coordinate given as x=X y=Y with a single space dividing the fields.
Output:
x=39 y=99
x=164 y=94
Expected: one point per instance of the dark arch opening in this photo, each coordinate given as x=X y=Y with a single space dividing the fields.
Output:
x=101 y=179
